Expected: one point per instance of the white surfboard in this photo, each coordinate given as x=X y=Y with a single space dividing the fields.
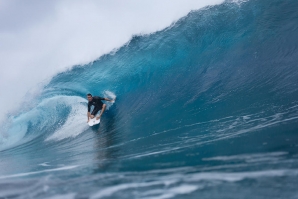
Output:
x=93 y=121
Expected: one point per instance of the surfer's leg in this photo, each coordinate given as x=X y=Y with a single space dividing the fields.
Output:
x=102 y=110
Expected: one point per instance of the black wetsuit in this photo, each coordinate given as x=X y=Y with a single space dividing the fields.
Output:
x=97 y=103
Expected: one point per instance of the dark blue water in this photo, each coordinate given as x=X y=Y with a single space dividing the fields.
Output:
x=207 y=108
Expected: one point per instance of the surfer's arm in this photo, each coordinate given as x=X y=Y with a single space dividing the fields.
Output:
x=107 y=99
x=88 y=116
x=88 y=112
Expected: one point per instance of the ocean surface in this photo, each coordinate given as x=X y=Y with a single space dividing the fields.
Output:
x=206 y=108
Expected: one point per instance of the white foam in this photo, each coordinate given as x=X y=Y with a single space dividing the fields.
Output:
x=63 y=196
x=110 y=95
x=38 y=40
x=163 y=193
x=38 y=172
x=248 y=157
x=238 y=176
x=185 y=183
x=172 y=192
x=113 y=189
x=45 y=164
x=74 y=125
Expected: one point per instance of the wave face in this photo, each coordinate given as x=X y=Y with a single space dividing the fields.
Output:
x=205 y=108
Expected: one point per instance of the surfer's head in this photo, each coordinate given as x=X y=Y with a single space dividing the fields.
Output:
x=89 y=97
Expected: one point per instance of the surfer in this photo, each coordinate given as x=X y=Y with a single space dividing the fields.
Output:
x=98 y=105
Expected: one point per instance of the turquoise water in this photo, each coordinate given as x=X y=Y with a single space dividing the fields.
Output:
x=207 y=108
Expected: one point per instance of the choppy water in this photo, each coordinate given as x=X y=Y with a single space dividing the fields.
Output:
x=207 y=108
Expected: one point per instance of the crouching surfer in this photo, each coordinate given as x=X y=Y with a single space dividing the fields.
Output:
x=97 y=104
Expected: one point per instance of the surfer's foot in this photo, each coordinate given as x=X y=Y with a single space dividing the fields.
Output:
x=97 y=118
